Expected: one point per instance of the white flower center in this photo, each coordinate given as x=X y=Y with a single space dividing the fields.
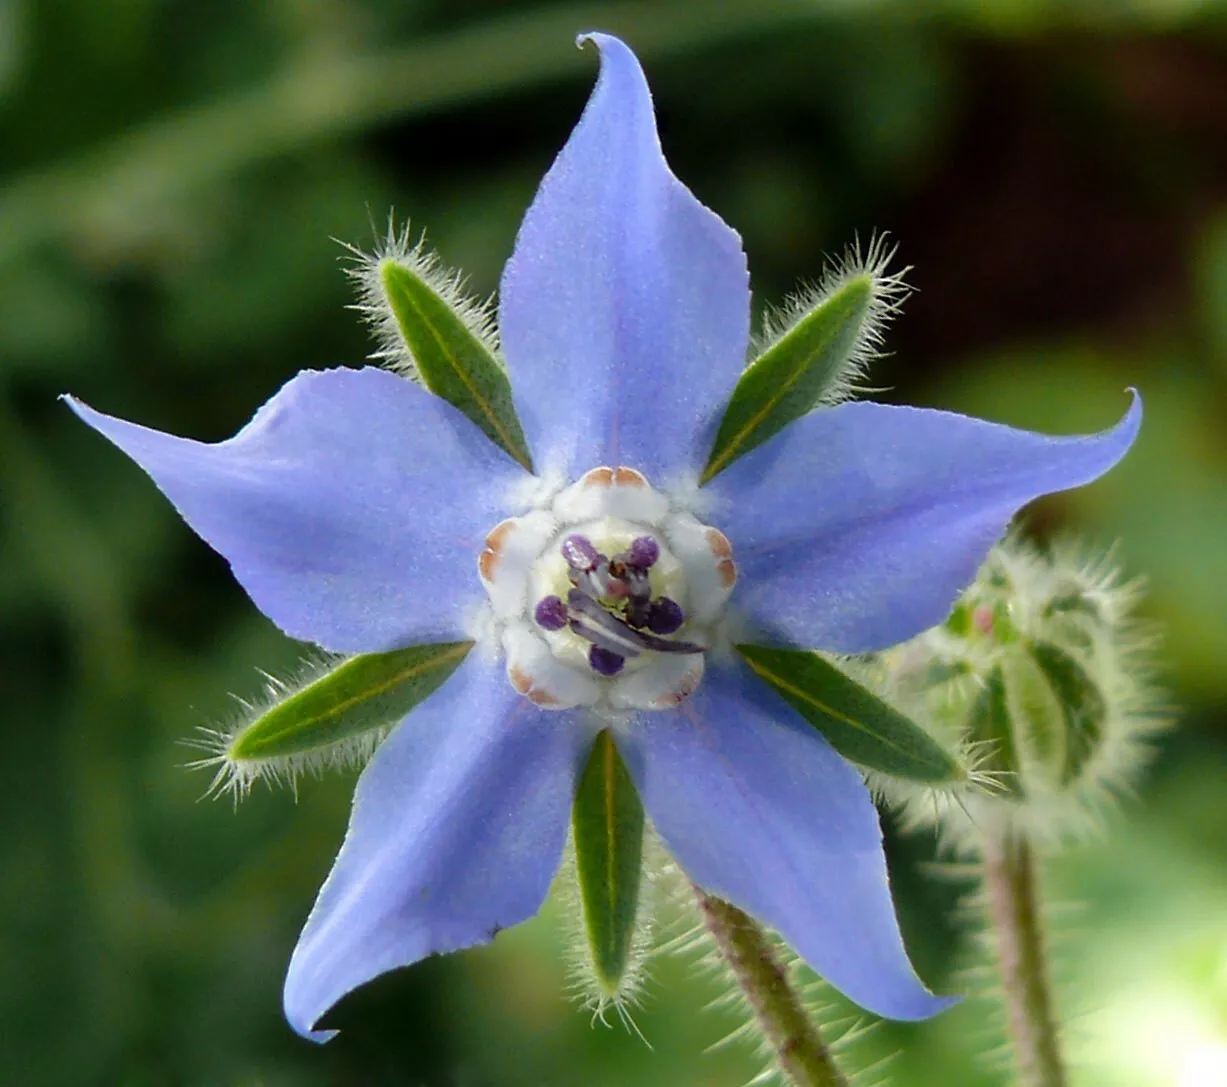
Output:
x=605 y=595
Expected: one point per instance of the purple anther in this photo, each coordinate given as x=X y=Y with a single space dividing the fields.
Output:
x=551 y=613
x=665 y=616
x=604 y=661
x=643 y=552
x=579 y=553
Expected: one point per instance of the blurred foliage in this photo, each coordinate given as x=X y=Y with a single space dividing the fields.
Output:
x=174 y=174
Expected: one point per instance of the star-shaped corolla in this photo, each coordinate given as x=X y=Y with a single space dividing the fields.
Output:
x=357 y=511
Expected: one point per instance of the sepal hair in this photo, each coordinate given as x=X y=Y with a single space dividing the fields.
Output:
x=235 y=776
x=847 y=1034
x=397 y=246
x=888 y=291
x=584 y=980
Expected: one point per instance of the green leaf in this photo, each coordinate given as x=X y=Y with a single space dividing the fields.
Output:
x=608 y=829
x=1082 y=702
x=789 y=379
x=373 y=690
x=452 y=360
x=858 y=724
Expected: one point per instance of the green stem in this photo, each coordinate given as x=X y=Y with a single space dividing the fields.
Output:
x=1011 y=879
x=798 y=1047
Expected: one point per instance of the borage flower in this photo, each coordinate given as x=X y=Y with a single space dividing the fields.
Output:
x=364 y=514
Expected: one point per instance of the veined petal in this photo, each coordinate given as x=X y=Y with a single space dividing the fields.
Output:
x=351 y=508
x=624 y=310
x=856 y=527
x=757 y=808
x=458 y=826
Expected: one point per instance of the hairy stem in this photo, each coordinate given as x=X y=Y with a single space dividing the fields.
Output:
x=794 y=1039
x=1011 y=880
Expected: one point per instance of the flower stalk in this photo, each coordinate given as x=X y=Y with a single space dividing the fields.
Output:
x=793 y=1037
x=1010 y=876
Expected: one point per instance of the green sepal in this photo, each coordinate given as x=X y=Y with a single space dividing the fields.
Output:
x=1084 y=706
x=1037 y=718
x=607 y=823
x=369 y=691
x=988 y=725
x=453 y=362
x=858 y=724
x=790 y=378
x=1075 y=603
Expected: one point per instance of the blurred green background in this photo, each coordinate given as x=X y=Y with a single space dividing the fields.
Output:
x=174 y=174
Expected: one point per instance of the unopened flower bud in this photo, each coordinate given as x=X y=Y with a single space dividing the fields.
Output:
x=1043 y=673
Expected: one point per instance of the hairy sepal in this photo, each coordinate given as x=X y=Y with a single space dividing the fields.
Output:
x=1083 y=706
x=430 y=331
x=335 y=718
x=814 y=352
x=861 y=726
x=608 y=836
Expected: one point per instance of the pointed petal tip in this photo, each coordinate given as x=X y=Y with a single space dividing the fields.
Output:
x=620 y=67
x=918 y=1004
x=1114 y=442
x=1133 y=417
x=111 y=427
x=303 y=1028
x=329 y=517
x=455 y=835
x=78 y=407
x=603 y=41
x=757 y=808
x=624 y=309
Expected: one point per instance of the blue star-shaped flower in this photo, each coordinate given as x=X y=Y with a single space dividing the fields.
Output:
x=364 y=514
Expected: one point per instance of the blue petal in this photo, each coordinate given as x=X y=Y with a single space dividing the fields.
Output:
x=856 y=527
x=351 y=508
x=758 y=809
x=458 y=826
x=624 y=309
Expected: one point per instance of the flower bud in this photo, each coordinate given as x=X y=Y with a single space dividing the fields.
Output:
x=1044 y=673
